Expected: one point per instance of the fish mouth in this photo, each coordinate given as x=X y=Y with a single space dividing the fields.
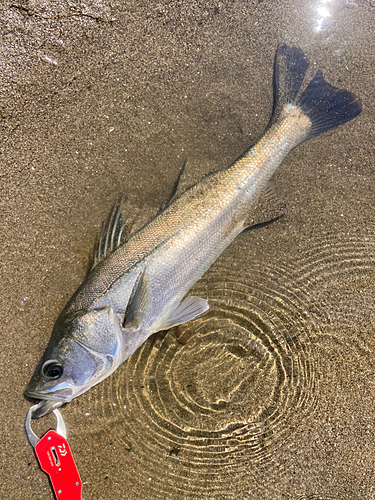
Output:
x=47 y=403
x=45 y=407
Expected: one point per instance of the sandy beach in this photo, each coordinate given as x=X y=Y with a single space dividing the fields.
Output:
x=272 y=398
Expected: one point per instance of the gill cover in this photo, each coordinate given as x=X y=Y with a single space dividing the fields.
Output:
x=99 y=330
x=88 y=346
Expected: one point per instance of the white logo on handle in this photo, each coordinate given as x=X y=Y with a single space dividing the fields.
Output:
x=62 y=449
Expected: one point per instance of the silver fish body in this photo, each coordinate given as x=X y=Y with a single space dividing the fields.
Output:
x=139 y=288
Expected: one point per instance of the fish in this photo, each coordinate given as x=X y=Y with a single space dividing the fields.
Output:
x=139 y=285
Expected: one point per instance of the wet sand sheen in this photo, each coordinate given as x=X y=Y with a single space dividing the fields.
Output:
x=272 y=397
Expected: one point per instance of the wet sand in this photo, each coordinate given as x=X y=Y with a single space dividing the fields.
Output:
x=273 y=396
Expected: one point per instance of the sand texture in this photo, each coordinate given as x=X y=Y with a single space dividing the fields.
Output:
x=272 y=398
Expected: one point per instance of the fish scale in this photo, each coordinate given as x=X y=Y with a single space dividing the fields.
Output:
x=138 y=288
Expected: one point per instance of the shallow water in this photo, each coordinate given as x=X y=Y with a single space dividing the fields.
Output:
x=272 y=397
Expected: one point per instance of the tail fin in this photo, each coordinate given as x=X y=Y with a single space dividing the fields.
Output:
x=325 y=106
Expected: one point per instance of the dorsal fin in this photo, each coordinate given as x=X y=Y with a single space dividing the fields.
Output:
x=172 y=196
x=111 y=233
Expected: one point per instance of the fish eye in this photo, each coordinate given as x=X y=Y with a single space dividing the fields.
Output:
x=52 y=369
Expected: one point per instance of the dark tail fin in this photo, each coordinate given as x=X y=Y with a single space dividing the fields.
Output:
x=326 y=106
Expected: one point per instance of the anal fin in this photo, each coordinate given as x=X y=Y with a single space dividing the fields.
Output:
x=268 y=207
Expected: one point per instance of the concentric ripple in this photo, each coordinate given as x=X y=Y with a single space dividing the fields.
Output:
x=230 y=398
x=233 y=394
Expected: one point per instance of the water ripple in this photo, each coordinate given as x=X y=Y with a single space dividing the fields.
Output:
x=223 y=404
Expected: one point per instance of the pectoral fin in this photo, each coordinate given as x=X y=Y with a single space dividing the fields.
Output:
x=139 y=302
x=188 y=309
x=268 y=207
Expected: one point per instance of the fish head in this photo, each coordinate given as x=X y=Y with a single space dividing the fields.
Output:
x=85 y=348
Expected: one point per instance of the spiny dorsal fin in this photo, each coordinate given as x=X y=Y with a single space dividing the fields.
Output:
x=111 y=233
